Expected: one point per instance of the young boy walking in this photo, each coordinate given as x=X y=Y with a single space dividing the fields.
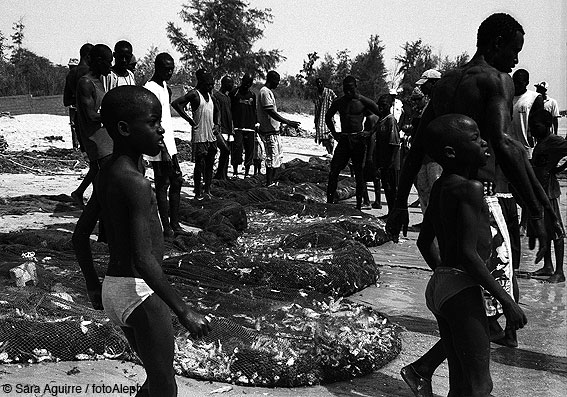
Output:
x=458 y=218
x=135 y=292
x=550 y=149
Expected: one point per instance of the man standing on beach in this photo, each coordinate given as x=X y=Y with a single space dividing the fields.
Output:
x=70 y=91
x=549 y=104
x=244 y=119
x=483 y=90
x=98 y=146
x=204 y=130
x=223 y=101
x=96 y=142
x=270 y=120
x=351 y=141
x=323 y=100
x=167 y=173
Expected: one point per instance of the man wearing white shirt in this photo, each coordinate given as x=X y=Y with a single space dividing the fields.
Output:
x=167 y=174
x=549 y=104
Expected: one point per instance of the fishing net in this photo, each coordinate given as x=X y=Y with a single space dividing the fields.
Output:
x=270 y=265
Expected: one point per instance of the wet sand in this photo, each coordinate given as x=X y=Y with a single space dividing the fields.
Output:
x=538 y=367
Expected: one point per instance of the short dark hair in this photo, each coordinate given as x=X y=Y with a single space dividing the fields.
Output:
x=443 y=131
x=522 y=72
x=99 y=50
x=162 y=57
x=388 y=98
x=85 y=50
x=498 y=24
x=349 y=79
x=272 y=75
x=122 y=44
x=123 y=103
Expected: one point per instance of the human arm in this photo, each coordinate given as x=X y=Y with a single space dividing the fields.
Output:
x=138 y=198
x=181 y=103
x=82 y=246
x=276 y=116
x=471 y=217
x=426 y=242
x=68 y=91
x=512 y=157
x=333 y=109
x=86 y=101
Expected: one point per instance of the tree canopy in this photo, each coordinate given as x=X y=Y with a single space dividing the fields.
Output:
x=224 y=34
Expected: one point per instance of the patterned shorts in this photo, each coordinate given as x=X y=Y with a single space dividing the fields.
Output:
x=274 y=149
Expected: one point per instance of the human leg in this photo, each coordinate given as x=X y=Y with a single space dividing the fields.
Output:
x=559 y=248
x=198 y=173
x=152 y=339
x=357 y=151
x=338 y=162
x=466 y=318
x=209 y=164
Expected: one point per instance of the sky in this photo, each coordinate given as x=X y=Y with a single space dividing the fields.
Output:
x=56 y=29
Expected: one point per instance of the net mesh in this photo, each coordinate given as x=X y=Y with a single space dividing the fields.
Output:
x=271 y=266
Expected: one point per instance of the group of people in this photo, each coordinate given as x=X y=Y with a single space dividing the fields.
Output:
x=120 y=126
x=473 y=169
x=481 y=144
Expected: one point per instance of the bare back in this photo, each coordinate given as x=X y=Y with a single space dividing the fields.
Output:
x=126 y=199
x=483 y=93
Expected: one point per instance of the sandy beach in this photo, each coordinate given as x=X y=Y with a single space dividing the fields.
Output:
x=537 y=368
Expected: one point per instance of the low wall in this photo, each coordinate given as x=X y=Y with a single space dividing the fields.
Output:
x=27 y=104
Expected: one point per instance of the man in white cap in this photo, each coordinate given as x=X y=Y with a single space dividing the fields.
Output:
x=549 y=104
x=427 y=81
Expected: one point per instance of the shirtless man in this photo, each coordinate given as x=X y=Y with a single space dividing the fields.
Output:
x=483 y=90
x=135 y=292
x=458 y=218
x=70 y=96
x=351 y=140
x=205 y=129
x=98 y=146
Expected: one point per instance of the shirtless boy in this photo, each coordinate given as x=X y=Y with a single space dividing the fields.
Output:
x=457 y=217
x=135 y=292
x=351 y=145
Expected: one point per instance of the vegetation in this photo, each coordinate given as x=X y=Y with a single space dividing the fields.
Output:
x=220 y=38
x=23 y=72
x=225 y=31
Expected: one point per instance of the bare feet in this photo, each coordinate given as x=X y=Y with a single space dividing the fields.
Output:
x=78 y=199
x=556 y=278
x=420 y=386
x=544 y=271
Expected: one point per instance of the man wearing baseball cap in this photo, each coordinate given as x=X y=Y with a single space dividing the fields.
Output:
x=428 y=80
x=549 y=104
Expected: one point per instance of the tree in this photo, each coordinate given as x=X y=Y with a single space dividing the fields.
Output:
x=417 y=58
x=226 y=31
x=145 y=66
x=448 y=64
x=18 y=35
x=369 y=69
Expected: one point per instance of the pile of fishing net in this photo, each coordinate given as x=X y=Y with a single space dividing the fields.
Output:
x=272 y=266
x=53 y=160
